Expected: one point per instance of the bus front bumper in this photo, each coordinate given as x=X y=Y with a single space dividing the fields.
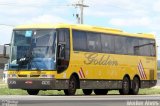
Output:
x=41 y=84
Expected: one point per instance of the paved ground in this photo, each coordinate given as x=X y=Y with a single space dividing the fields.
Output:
x=108 y=100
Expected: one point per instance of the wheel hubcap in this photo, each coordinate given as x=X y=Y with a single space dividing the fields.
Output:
x=126 y=85
x=136 y=85
x=72 y=86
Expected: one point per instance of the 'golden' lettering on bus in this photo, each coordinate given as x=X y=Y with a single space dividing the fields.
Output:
x=100 y=60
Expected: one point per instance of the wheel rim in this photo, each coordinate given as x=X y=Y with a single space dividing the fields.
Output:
x=126 y=85
x=72 y=87
x=136 y=84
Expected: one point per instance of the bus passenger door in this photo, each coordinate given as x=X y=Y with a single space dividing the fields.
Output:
x=63 y=50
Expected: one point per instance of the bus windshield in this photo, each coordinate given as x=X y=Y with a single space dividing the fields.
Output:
x=33 y=50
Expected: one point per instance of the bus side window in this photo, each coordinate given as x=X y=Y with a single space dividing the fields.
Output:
x=93 y=42
x=120 y=45
x=132 y=46
x=107 y=43
x=152 y=48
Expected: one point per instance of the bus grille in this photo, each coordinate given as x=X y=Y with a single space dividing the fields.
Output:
x=22 y=75
x=28 y=75
x=34 y=75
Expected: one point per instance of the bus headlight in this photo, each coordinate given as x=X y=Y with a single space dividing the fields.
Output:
x=12 y=75
x=47 y=76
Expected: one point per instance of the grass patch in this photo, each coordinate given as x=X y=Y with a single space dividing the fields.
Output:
x=150 y=91
x=1 y=81
x=6 y=91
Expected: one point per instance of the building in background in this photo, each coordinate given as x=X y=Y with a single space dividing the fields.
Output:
x=3 y=60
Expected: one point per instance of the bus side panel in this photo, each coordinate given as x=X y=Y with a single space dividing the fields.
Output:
x=98 y=70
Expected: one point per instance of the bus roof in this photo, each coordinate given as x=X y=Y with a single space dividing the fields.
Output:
x=86 y=28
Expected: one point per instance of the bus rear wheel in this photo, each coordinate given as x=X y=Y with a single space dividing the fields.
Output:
x=87 y=91
x=72 y=86
x=100 y=91
x=135 y=86
x=32 y=91
x=125 y=86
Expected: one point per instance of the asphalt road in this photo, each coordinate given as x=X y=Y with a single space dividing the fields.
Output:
x=107 y=100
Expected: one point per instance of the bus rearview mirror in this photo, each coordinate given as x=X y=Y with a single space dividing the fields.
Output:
x=5 y=55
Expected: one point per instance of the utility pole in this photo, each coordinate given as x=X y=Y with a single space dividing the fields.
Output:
x=81 y=6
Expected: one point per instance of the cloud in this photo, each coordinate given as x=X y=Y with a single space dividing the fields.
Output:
x=48 y=19
x=130 y=22
x=117 y=8
x=21 y=2
x=5 y=34
x=15 y=12
x=20 y=8
x=156 y=6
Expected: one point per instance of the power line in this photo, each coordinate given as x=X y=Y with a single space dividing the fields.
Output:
x=35 y=4
x=7 y=25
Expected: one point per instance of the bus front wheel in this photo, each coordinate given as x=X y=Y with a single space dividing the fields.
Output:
x=87 y=91
x=32 y=91
x=125 y=86
x=72 y=86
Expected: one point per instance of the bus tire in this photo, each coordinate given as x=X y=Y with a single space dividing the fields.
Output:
x=100 y=91
x=125 y=86
x=32 y=91
x=72 y=86
x=135 y=86
x=87 y=91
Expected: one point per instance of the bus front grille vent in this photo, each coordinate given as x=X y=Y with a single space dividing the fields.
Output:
x=28 y=75
x=34 y=75
x=22 y=75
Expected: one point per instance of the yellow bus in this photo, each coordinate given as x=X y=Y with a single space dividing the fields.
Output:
x=70 y=57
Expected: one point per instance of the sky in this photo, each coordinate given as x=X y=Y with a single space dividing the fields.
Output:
x=134 y=16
